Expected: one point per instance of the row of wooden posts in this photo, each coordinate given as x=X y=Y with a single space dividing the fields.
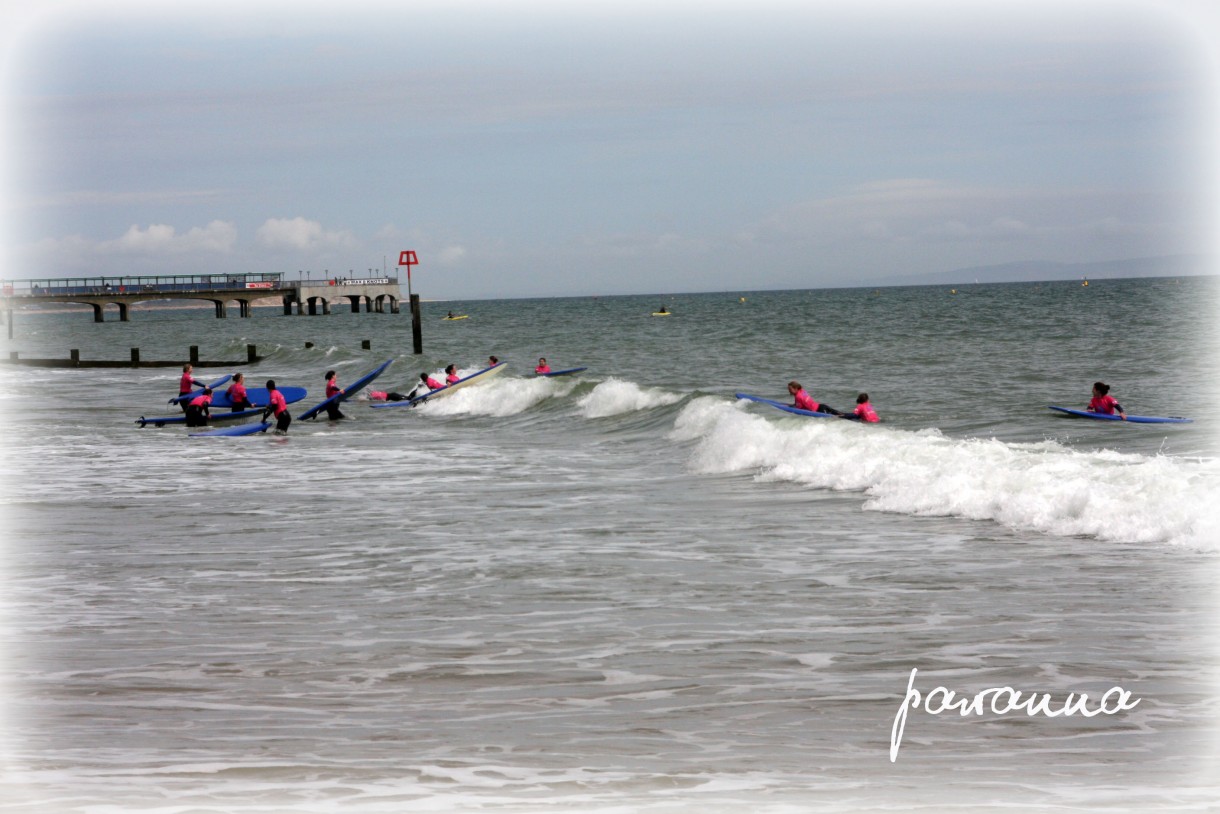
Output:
x=74 y=359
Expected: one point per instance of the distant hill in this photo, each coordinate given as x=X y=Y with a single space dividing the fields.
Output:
x=1037 y=271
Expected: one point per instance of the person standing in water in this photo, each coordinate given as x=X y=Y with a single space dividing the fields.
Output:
x=198 y=411
x=237 y=393
x=543 y=367
x=186 y=384
x=333 y=389
x=279 y=408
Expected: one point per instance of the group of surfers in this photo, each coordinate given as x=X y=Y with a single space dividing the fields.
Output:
x=197 y=409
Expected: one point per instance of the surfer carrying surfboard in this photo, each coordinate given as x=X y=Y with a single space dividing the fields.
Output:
x=186 y=384
x=1103 y=402
x=237 y=393
x=279 y=407
x=804 y=401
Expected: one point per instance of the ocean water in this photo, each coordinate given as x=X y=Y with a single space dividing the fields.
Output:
x=624 y=590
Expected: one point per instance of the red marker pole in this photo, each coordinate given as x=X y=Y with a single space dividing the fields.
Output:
x=408 y=259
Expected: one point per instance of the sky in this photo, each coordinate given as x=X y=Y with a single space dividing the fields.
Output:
x=528 y=149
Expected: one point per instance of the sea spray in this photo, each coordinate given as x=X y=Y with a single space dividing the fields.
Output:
x=1043 y=486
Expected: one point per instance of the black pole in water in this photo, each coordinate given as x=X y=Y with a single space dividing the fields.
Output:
x=417 y=329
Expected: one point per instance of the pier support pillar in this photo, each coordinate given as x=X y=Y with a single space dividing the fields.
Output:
x=122 y=311
x=220 y=308
x=135 y=357
x=251 y=354
x=194 y=354
x=97 y=312
x=75 y=356
x=244 y=308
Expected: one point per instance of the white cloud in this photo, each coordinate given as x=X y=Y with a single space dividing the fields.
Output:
x=451 y=255
x=160 y=238
x=299 y=233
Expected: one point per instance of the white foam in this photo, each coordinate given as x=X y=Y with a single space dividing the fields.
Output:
x=1044 y=486
x=499 y=397
x=616 y=397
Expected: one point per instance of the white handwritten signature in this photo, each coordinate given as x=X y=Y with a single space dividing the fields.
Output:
x=1002 y=701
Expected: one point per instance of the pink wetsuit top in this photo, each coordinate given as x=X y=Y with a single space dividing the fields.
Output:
x=433 y=384
x=332 y=388
x=277 y=405
x=236 y=393
x=866 y=412
x=452 y=377
x=804 y=401
x=185 y=383
x=1103 y=404
x=200 y=401
x=542 y=369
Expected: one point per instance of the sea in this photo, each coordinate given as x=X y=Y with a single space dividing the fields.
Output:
x=624 y=590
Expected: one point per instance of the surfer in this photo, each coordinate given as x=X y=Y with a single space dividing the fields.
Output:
x=864 y=410
x=197 y=412
x=451 y=374
x=804 y=401
x=1103 y=402
x=662 y=310
x=492 y=361
x=333 y=389
x=543 y=367
x=426 y=383
x=186 y=383
x=237 y=393
x=279 y=407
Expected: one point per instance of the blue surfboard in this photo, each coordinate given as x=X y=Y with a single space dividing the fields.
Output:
x=161 y=421
x=1131 y=419
x=787 y=408
x=233 y=432
x=354 y=387
x=259 y=397
x=193 y=393
x=486 y=372
x=567 y=372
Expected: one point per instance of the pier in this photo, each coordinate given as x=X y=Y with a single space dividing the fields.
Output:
x=309 y=295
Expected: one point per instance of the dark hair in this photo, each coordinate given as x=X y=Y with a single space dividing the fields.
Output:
x=862 y=398
x=330 y=374
x=451 y=369
x=796 y=384
x=237 y=377
x=494 y=360
x=423 y=377
x=1101 y=387
x=271 y=384
x=207 y=391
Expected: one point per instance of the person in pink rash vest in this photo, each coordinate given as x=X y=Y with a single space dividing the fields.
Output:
x=1103 y=402
x=804 y=401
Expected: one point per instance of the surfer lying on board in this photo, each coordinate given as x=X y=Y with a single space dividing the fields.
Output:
x=1103 y=402
x=864 y=410
x=187 y=383
x=804 y=401
x=426 y=385
x=197 y=412
x=237 y=393
x=451 y=374
x=543 y=367
x=333 y=389
x=279 y=407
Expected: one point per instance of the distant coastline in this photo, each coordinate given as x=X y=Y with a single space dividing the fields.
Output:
x=1036 y=271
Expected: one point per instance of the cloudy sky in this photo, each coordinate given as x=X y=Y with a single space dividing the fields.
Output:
x=529 y=149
